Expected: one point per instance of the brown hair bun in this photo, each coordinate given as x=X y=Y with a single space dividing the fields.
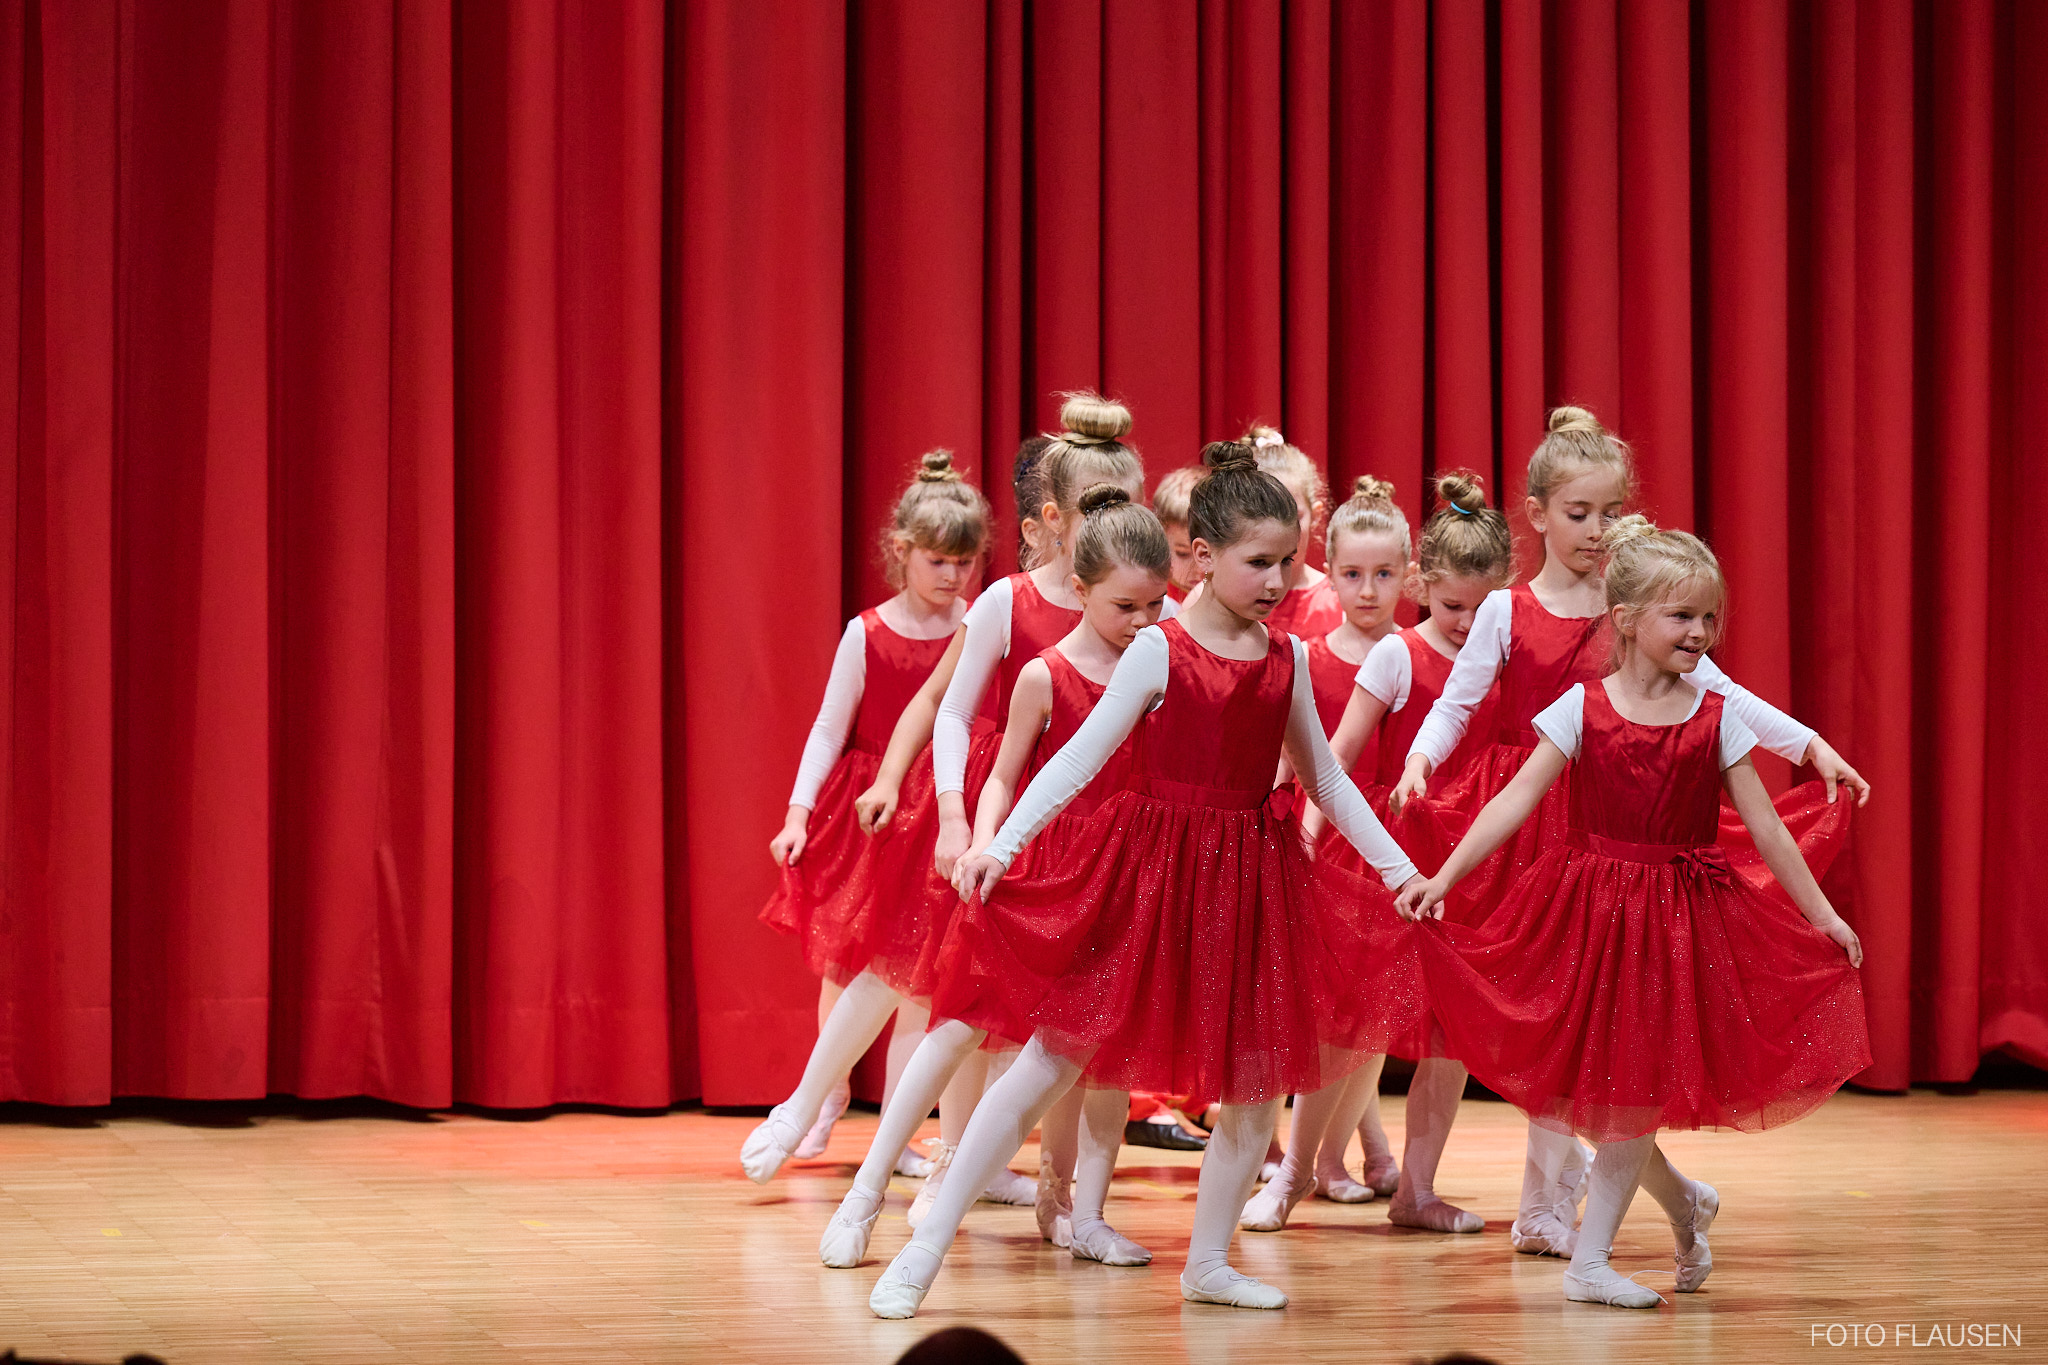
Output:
x=1101 y=496
x=1223 y=457
x=1462 y=490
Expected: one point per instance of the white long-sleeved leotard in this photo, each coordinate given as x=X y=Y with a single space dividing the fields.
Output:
x=843 y=689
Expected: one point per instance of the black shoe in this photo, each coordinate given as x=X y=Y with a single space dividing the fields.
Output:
x=1171 y=1136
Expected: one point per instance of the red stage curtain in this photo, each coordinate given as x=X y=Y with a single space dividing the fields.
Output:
x=444 y=439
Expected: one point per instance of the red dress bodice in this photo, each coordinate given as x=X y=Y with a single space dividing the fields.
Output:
x=1332 y=677
x=1035 y=626
x=1654 y=785
x=1308 y=612
x=896 y=666
x=1214 y=739
x=1074 y=695
x=1428 y=671
x=1546 y=655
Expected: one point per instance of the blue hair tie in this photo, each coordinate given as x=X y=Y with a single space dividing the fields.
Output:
x=1463 y=511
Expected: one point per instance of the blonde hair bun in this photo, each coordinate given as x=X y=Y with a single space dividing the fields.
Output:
x=1093 y=418
x=936 y=466
x=1369 y=512
x=938 y=511
x=1626 y=531
x=1644 y=564
x=1573 y=443
x=1572 y=418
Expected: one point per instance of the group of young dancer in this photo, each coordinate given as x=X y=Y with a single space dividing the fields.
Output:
x=1172 y=813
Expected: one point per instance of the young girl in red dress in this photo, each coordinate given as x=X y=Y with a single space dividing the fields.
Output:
x=1008 y=626
x=1197 y=948
x=858 y=926
x=1370 y=554
x=1120 y=567
x=1533 y=642
x=1630 y=981
x=1023 y=614
x=1466 y=552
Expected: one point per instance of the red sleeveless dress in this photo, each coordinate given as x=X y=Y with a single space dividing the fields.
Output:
x=1188 y=945
x=847 y=891
x=1331 y=679
x=1629 y=981
x=1421 y=835
x=981 y=949
x=1310 y=612
x=1332 y=676
x=1035 y=626
x=1546 y=655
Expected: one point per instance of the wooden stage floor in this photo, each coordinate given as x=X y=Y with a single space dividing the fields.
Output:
x=598 y=1237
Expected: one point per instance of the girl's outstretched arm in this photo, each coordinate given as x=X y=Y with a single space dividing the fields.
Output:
x=1331 y=788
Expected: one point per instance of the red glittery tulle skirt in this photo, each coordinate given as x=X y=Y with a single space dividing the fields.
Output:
x=1424 y=835
x=988 y=945
x=1191 y=949
x=1819 y=828
x=857 y=902
x=1435 y=823
x=1613 y=996
x=907 y=956
x=1431 y=826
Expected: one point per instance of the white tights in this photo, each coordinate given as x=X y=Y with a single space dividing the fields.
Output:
x=1005 y=1117
x=1019 y=1101
x=1230 y=1167
x=1100 y=1132
x=911 y=1022
x=939 y=1067
x=849 y=1030
x=1322 y=1125
x=1543 y=1170
x=950 y=1070
x=1618 y=1170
